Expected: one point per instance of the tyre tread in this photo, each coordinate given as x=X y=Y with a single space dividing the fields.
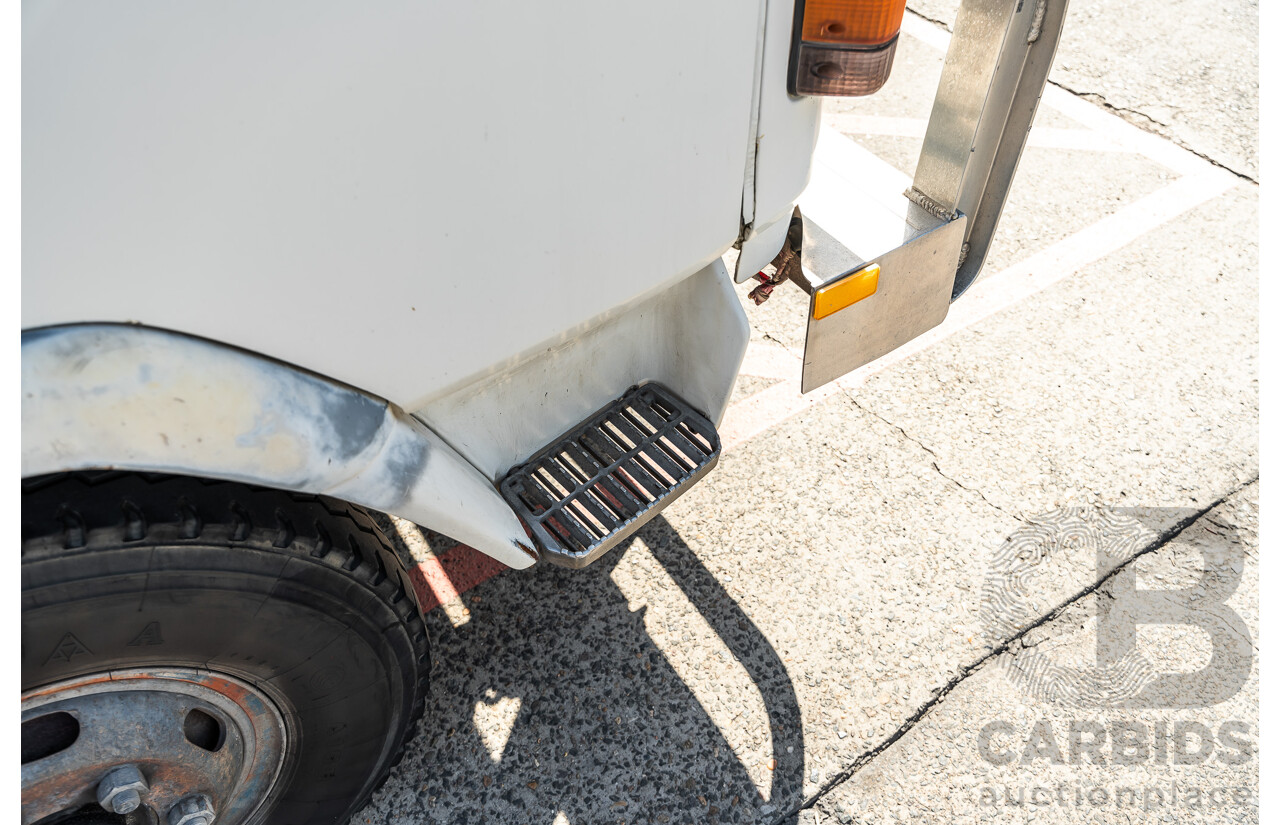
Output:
x=342 y=536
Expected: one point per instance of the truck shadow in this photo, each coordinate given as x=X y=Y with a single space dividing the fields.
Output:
x=550 y=696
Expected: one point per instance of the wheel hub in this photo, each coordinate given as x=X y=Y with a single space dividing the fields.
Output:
x=197 y=739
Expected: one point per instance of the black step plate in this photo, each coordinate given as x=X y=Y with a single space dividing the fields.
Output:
x=612 y=473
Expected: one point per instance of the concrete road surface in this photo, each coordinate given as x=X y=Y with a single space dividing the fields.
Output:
x=1008 y=574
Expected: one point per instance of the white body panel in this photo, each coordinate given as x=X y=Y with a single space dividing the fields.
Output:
x=496 y=216
x=690 y=338
x=403 y=196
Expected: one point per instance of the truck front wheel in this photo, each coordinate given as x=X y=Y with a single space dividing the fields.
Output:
x=197 y=651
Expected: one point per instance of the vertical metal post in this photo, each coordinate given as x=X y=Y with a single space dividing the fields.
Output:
x=995 y=70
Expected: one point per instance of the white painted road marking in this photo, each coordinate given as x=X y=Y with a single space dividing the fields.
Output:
x=1044 y=137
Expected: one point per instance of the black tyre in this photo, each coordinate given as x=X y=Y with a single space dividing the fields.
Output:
x=251 y=652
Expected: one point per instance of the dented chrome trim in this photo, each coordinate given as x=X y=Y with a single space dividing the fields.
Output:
x=137 y=398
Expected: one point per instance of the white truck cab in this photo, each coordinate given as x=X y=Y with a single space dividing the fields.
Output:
x=460 y=263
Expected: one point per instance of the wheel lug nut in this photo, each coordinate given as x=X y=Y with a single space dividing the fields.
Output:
x=120 y=791
x=126 y=802
x=196 y=809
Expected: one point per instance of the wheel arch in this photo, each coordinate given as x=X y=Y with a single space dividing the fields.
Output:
x=115 y=396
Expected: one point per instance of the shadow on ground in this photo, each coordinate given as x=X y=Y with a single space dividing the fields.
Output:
x=604 y=729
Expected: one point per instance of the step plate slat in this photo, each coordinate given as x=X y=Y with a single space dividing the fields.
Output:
x=601 y=481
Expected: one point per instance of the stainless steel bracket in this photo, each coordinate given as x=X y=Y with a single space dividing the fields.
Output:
x=911 y=298
x=930 y=241
x=995 y=71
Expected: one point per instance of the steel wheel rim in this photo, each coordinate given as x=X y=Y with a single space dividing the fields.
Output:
x=189 y=731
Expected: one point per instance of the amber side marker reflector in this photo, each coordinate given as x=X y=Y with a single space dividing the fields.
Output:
x=846 y=292
x=843 y=47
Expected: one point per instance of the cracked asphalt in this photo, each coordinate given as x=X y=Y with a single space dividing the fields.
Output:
x=1011 y=577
